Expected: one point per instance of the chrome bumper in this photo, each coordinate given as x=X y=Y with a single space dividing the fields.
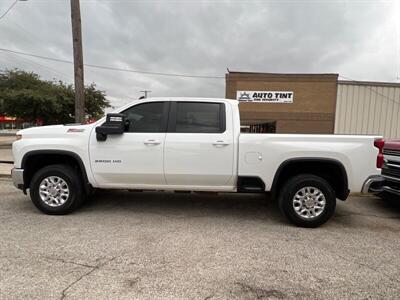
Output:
x=373 y=184
x=391 y=190
x=17 y=176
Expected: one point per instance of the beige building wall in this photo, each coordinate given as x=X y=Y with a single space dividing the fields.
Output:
x=368 y=108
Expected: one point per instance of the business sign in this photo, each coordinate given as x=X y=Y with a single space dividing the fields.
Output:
x=265 y=96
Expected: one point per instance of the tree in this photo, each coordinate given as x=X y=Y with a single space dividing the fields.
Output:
x=26 y=96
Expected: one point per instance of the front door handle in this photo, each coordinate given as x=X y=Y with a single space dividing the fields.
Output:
x=151 y=142
x=220 y=143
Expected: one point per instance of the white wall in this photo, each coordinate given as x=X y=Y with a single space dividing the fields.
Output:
x=368 y=108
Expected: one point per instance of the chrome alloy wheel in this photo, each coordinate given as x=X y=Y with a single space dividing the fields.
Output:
x=309 y=202
x=54 y=191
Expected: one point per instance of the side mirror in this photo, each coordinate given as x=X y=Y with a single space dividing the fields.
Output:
x=115 y=124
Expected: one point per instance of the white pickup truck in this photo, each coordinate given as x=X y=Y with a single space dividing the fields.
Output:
x=192 y=144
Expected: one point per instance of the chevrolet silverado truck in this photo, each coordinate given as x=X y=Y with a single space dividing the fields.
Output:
x=391 y=168
x=192 y=144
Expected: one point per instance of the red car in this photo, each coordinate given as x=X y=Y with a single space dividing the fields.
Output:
x=391 y=167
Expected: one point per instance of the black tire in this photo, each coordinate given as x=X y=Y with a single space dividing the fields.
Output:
x=72 y=179
x=295 y=184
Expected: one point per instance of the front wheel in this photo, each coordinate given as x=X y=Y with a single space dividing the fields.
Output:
x=307 y=200
x=56 y=189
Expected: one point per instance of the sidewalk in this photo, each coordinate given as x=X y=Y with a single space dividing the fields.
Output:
x=5 y=154
x=8 y=132
x=6 y=141
x=5 y=170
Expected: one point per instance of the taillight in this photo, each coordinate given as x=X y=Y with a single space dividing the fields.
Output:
x=379 y=143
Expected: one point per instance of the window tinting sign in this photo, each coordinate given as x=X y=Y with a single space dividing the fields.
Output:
x=265 y=96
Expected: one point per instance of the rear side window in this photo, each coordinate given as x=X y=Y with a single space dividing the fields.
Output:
x=146 y=117
x=200 y=117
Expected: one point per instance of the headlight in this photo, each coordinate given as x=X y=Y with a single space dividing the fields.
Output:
x=18 y=136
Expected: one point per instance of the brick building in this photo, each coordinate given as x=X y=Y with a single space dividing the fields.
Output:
x=305 y=103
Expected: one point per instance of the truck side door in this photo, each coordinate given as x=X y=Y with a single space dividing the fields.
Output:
x=134 y=158
x=199 y=146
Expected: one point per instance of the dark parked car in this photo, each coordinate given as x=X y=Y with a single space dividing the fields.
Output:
x=391 y=168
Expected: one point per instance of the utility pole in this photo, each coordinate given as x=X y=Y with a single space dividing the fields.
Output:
x=145 y=94
x=78 y=61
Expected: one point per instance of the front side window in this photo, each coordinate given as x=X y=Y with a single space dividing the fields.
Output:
x=200 y=117
x=146 y=117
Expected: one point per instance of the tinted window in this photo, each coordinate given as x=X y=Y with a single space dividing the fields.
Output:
x=147 y=117
x=197 y=117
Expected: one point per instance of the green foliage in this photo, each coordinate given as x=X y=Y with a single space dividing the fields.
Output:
x=24 y=95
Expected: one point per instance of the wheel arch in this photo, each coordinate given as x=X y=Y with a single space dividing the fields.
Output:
x=30 y=163
x=330 y=169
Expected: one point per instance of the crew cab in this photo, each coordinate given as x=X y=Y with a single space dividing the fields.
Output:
x=191 y=144
x=391 y=167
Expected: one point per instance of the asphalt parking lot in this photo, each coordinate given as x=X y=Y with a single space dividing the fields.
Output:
x=180 y=246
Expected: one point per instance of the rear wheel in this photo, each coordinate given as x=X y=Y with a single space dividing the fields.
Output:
x=307 y=200
x=56 y=189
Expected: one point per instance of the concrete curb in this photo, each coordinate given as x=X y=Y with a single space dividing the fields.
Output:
x=8 y=133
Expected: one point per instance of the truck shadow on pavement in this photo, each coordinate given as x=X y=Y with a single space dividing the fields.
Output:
x=186 y=205
x=369 y=213
x=364 y=212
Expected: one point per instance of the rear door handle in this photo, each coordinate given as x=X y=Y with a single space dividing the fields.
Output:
x=220 y=143
x=151 y=142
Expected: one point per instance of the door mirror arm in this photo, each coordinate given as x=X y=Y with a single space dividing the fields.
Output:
x=127 y=124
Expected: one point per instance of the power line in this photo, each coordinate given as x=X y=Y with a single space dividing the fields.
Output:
x=113 y=68
x=59 y=73
x=10 y=8
x=162 y=74
x=35 y=38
